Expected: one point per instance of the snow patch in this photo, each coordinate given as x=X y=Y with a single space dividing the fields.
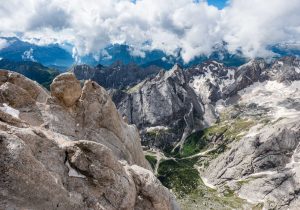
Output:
x=262 y=174
x=252 y=201
x=273 y=95
x=73 y=172
x=230 y=79
x=215 y=62
x=28 y=55
x=9 y=110
x=220 y=106
x=201 y=87
x=280 y=63
x=155 y=128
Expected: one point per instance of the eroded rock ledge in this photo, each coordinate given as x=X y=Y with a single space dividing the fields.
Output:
x=70 y=150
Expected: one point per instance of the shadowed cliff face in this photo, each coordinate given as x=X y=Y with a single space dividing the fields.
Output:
x=164 y=104
x=70 y=149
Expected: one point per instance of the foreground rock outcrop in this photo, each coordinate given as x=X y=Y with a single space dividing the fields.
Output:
x=70 y=150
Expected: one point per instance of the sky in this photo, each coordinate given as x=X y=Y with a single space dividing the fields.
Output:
x=220 y=4
x=193 y=26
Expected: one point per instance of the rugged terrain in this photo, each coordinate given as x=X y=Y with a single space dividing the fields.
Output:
x=222 y=137
x=175 y=103
x=260 y=164
x=219 y=137
x=70 y=149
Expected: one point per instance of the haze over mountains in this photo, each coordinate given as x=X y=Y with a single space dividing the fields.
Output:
x=62 y=58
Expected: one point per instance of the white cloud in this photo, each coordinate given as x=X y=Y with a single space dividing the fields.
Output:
x=168 y=25
x=253 y=25
x=3 y=43
x=28 y=55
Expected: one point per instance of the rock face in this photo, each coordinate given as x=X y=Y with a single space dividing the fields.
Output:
x=172 y=105
x=246 y=75
x=285 y=69
x=164 y=106
x=263 y=165
x=70 y=151
x=262 y=168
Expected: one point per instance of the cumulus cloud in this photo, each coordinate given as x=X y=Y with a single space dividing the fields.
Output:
x=253 y=25
x=28 y=55
x=193 y=27
x=3 y=43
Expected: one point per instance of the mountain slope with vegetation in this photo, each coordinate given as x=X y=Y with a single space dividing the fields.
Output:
x=32 y=70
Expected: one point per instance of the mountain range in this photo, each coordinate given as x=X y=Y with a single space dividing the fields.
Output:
x=219 y=136
x=61 y=56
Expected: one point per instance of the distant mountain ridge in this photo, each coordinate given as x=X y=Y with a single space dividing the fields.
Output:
x=52 y=54
x=61 y=56
x=115 y=76
x=32 y=70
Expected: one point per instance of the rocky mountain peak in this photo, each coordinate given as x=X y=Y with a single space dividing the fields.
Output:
x=115 y=76
x=83 y=71
x=251 y=70
x=176 y=73
x=285 y=69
